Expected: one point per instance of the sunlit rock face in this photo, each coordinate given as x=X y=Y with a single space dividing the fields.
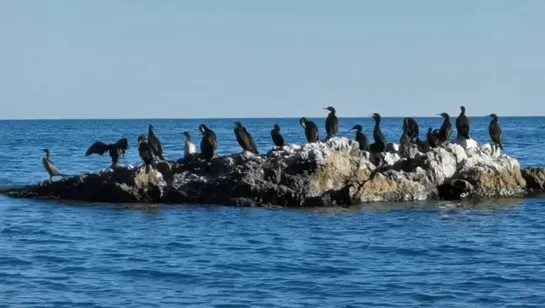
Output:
x=335 y=172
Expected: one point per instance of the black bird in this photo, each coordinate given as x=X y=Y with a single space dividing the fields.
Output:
x=50 y=166
x=146 y=152
x=331 y=123
x=495 y=131
x=311 y=130
x=380 y=141
x=155 y=143
x=445 y=132
x=462 y=123
x=277 y=136
x=361 y=138
x=413 y=130
x=115 y=150
x=245 y=140
x=433 y=138
x=209 y=142
x=405 y=140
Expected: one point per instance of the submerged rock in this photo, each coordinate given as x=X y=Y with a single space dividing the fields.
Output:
x=319 y=174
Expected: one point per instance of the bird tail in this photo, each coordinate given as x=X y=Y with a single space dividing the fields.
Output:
x=501 y=146
x=147 y=168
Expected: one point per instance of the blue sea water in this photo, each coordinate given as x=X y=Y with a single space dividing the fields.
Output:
x=429 y=254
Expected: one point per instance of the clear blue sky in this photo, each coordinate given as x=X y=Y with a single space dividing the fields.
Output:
x=277 y=58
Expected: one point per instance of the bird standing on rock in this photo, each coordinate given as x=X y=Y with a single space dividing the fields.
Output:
x=412 y=128
x=155 y=143
x=115 y=150
x=380 y=141
x=405 y=142
x=277 y=136
x=495 y=131
x=462 y=123
x=445 y=132
x=433 y=137
x=49 y=165
x=331 y=123
x=146 y=152
x=245 y=140
x=189 y=147
x=209 y=142
x=311 y=130
x=361 y=138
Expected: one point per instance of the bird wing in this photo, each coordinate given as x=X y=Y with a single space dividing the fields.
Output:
x=123 y=144
x=314 y=133
x=251 y=140
x=213 y=140
x=335 y=125
x=98 y=147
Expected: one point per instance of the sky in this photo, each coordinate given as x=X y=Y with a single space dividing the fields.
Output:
x=75 y=59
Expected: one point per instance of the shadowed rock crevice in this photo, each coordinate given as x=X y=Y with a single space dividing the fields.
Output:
x=334 y=173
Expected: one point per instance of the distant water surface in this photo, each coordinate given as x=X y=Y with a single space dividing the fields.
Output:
x=430 y=254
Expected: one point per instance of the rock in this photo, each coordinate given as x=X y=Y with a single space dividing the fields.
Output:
x=535 y=178
x=319 y=174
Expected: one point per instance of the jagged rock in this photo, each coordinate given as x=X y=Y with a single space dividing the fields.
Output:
x=319 y=174
x=535 y=178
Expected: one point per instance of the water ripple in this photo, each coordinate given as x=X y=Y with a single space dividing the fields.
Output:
x=439 y=254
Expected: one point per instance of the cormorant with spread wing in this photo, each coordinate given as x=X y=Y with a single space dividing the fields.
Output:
x=115 y=150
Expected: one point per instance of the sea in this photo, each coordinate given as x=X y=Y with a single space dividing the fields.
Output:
x=423 y=254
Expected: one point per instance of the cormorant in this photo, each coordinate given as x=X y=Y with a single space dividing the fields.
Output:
x=277 y=136
x=189 y=147
x=380 y=141
x=433 y=138
x=155 y=143
x=244 y=138
x=311 y=130
x=49 y=165
x=445 y=132
x=405 y=142
x=413 y=130
x=462 y=123
x=146 y=152
x=331 y=123
x=115 y=149
x=495 y=131
x=361 y=138
x=209 y=142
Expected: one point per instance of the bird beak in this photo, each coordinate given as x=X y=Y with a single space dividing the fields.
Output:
x=439 y=114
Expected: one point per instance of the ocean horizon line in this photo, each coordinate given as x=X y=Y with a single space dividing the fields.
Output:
x=249 y=118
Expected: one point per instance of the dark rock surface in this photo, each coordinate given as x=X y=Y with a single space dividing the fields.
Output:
x=319 y=174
